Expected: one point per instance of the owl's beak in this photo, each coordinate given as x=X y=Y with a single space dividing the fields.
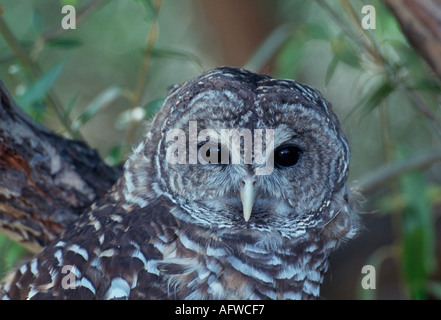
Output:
x=247 y=196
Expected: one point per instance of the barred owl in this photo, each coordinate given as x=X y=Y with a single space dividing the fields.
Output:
x=238 y=191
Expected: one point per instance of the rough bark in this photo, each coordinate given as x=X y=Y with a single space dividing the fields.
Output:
x=46 y=181
x=420 y=21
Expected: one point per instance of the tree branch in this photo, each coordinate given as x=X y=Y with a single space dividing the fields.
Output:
x=420 y=21
x=46 y=181
x=377 y=178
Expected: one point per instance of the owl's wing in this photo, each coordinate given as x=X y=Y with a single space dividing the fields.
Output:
x=110 y=253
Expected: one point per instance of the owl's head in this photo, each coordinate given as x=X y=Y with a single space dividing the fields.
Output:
x=236 y=150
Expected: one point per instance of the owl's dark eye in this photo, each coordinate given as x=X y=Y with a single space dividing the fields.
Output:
x=287 y=156
x=211 y=153
x=214 y=153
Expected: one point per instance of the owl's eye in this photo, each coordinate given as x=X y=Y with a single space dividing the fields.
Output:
x=287 y=156
x=211 y=153
x=214 y=153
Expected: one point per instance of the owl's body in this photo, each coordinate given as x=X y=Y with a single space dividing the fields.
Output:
x=190 y=230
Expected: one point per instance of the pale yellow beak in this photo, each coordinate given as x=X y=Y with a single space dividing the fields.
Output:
x=247 y=196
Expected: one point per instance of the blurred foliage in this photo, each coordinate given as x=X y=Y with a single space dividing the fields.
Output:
x=10 y=254
x=103 y=80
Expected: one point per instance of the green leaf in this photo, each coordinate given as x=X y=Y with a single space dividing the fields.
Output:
x=38 y=90
x=408 y=59
x=345 y=51
x=376 y=96
x=70 y=105
x=115 y=156
x=10 y=253
x=372 y=99
x=150 y=9
x=418 y=240
x=103 y=100
x=36 y=22
x=332 y=66
x=427 y=84
x=65 y=43
x=176 y=54
x=147 y=112
x=318 y=31
x=153 y=107
x=289 y=59
x=69 y=2
x=269 y=47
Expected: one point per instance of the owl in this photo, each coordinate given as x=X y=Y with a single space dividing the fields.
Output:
x=238 y=191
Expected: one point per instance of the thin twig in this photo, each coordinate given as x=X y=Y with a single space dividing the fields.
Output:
x=34 y=72
x=379 y=177
x=373 y=51
x=421 y=106
x=141 y=81
x=346 y=29
x=18 y=51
